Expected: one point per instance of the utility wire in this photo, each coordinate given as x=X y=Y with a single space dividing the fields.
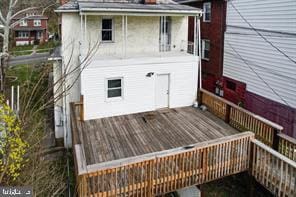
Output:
x=246 y=62
x=279 y=50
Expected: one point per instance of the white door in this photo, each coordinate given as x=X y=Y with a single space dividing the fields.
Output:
x=162 y=91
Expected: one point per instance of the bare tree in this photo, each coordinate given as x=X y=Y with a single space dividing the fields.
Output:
x=7 y=22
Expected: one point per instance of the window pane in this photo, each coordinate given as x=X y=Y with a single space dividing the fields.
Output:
x=114 y=83
x=114 y=93
x=207 y=45
x=207 y=16
x=207 y=54
x=107 y=24
x=107 y=35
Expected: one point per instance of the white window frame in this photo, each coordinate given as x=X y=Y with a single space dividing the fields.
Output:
x=119 y=98
x=112 y=30
x=205 y=5
x=24 y=34
x=23 y=23
x=203 y=45
x=37 y=23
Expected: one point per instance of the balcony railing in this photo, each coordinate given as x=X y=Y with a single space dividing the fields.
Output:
x=111 y=50
x=242 y=119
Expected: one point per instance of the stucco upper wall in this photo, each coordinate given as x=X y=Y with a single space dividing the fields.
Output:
x=142 y=35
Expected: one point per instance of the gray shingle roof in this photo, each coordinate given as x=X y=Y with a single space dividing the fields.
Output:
x=121 y=5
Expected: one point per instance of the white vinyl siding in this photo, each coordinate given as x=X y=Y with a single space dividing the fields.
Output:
x=139 y=89
x=246 y=53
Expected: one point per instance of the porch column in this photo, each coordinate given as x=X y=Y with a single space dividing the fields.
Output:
x=124 y=35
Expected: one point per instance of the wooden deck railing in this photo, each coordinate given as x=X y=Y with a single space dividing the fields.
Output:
x=158 y=173
x=273 y=170
x=287 y=146
x=241 y=119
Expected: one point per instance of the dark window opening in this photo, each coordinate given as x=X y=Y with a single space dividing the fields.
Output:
x=231 y=85
x=107 y=30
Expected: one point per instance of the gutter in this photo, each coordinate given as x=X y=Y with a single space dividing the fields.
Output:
x=193 y=12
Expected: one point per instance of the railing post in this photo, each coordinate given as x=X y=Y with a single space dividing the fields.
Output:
x=81 y=108
x=227 y=114
x=199 y=97
x=276 y=139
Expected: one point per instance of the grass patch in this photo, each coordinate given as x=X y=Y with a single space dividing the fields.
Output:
x=22 y=50
x=47 y=47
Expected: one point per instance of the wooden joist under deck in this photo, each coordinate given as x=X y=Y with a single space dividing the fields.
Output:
x=131 y=135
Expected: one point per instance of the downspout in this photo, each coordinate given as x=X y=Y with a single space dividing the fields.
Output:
x=198 y=28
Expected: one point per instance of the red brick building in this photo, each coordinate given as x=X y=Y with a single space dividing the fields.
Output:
x=213 y=26
x=32 y=28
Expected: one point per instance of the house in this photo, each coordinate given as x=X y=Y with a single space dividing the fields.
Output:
x=31 y=28
x=124 y=58
x=260 y=59
x=212 y=43
x=127 y=77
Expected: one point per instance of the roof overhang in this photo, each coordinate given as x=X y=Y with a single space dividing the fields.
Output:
x=142 y=12
x=135 y=9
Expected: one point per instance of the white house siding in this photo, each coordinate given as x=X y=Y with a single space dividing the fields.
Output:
x=142 y=35
x=272 y=66
x=70 y=53
x=138 y=89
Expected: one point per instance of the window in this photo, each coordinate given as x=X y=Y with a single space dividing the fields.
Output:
x=114 y=88
x=205 y=49
x=107 y=30
x=37 y=23
x=39 y=34
x=23 y=34
x=207 y=12
x=23 y=23
x=231 y=85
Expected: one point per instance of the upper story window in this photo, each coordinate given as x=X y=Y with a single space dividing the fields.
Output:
x=114 y=88
x=107 y=29
x=37 y=23
x=205 y=46
x=23 y=23
x=207 y=12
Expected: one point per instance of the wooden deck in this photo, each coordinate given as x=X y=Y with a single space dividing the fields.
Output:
x=126 y=136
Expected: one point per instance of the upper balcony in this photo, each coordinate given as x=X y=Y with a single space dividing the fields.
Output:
x=119 y=33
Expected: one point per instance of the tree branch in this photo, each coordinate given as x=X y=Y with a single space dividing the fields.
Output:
x=24 y=10
x=2 y=35
x=14 y=4
x=2 y=19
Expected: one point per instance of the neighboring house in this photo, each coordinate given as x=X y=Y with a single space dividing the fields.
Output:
x=212 y=35
x=124 y=57
x=32 y=28
x=260 y=59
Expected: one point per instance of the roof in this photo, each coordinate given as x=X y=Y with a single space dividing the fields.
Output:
x=28 y=28
x=31 y=17
x=126 y=6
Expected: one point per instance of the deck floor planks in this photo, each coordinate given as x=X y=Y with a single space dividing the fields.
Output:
x=124 y=136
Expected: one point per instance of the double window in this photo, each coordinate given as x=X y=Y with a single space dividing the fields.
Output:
x=205 y=46
x=23 y=34
x=107 y=30
x=23 y=23
x=114 y=88
x=207 y=12
x=37 y=23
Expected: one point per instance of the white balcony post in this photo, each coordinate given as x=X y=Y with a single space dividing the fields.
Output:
x=199 y=52
x=85 y=27
x=125 y=38
x=123 y=35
